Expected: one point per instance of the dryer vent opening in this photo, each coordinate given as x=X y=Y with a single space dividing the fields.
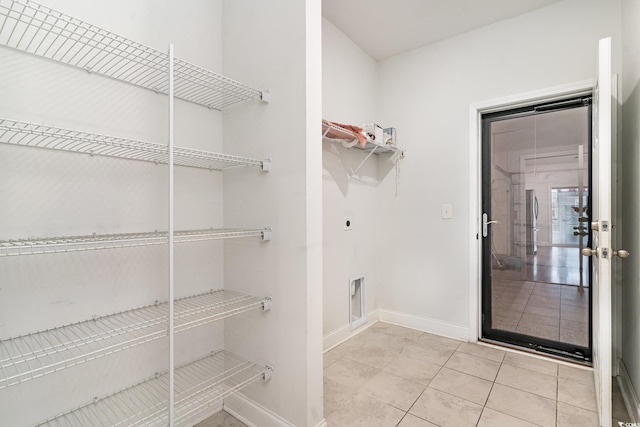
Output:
x=356 y=302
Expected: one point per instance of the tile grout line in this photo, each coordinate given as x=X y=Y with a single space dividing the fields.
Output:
x=513 y=388
x=557 y=388
x=429 y=383
x=493 y=383
x=405 y=379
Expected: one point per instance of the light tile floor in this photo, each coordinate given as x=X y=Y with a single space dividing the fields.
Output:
x=393 y=376
x=221 y=419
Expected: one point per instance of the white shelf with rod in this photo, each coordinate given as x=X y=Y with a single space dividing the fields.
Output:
x=31 y=356
x=332 y=132
x=198 y=385
x=371 y=146
x=49 y=245
x=39 y=30
x=50 y=137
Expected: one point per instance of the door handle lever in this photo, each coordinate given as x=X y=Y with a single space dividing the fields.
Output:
x=485 y=224
x=621 y=253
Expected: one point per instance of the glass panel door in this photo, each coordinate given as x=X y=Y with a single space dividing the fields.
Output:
x=536 y=198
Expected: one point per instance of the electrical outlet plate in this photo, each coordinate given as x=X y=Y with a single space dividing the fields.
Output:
x=348 y=223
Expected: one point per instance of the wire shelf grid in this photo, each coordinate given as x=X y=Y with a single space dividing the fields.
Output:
x=31 y=356
x=49 y=245
x=199 y=385
x=43 y=136
x=39 y=30
x=370 y=145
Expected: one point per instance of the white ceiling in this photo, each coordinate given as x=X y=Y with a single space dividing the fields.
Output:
x=384 y=28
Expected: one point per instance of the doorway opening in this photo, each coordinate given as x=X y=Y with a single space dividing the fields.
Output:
x=536 y=176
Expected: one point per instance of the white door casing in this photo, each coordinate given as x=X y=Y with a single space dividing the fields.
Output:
x=476 y=110
x=602 y=234
x=602 y=277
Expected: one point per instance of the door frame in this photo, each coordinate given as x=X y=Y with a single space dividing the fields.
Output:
x=582 y=352
x=550 y=94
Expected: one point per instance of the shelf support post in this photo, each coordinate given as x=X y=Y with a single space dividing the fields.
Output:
x=170 y=235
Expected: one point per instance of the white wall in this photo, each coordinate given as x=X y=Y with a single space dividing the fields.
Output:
x=349 y=96
x=631 y=197
x=426 y=94
x=266 y=45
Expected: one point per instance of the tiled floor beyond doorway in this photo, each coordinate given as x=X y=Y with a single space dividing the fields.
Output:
x=550 y=264
x=545 y=310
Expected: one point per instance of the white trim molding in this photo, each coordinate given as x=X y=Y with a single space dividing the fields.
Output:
x=629 y=394
x=424 y=324
x=475 y=180
x=255 y=415
x=340 y=335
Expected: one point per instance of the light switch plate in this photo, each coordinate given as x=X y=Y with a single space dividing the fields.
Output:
x=447 y=211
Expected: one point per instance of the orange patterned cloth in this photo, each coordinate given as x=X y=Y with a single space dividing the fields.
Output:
x=335 y=133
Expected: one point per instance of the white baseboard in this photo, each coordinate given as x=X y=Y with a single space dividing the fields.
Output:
x=212 y=410
x=424 y=324
x=345 y=332
x=629 y=394
x=255 y=415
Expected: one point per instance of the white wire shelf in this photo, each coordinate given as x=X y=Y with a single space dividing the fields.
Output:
x=31 y=356
x=43 y=136
x=341 y=134
x=49 y=245
x=198 y=385
x=39 y=30
x=333 y=133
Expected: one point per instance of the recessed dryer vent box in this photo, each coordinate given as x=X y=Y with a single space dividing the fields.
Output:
x=357 y=312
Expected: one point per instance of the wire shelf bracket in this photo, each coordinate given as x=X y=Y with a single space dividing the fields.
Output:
x=42 y=31
x=199 y=385
x=34 y=355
